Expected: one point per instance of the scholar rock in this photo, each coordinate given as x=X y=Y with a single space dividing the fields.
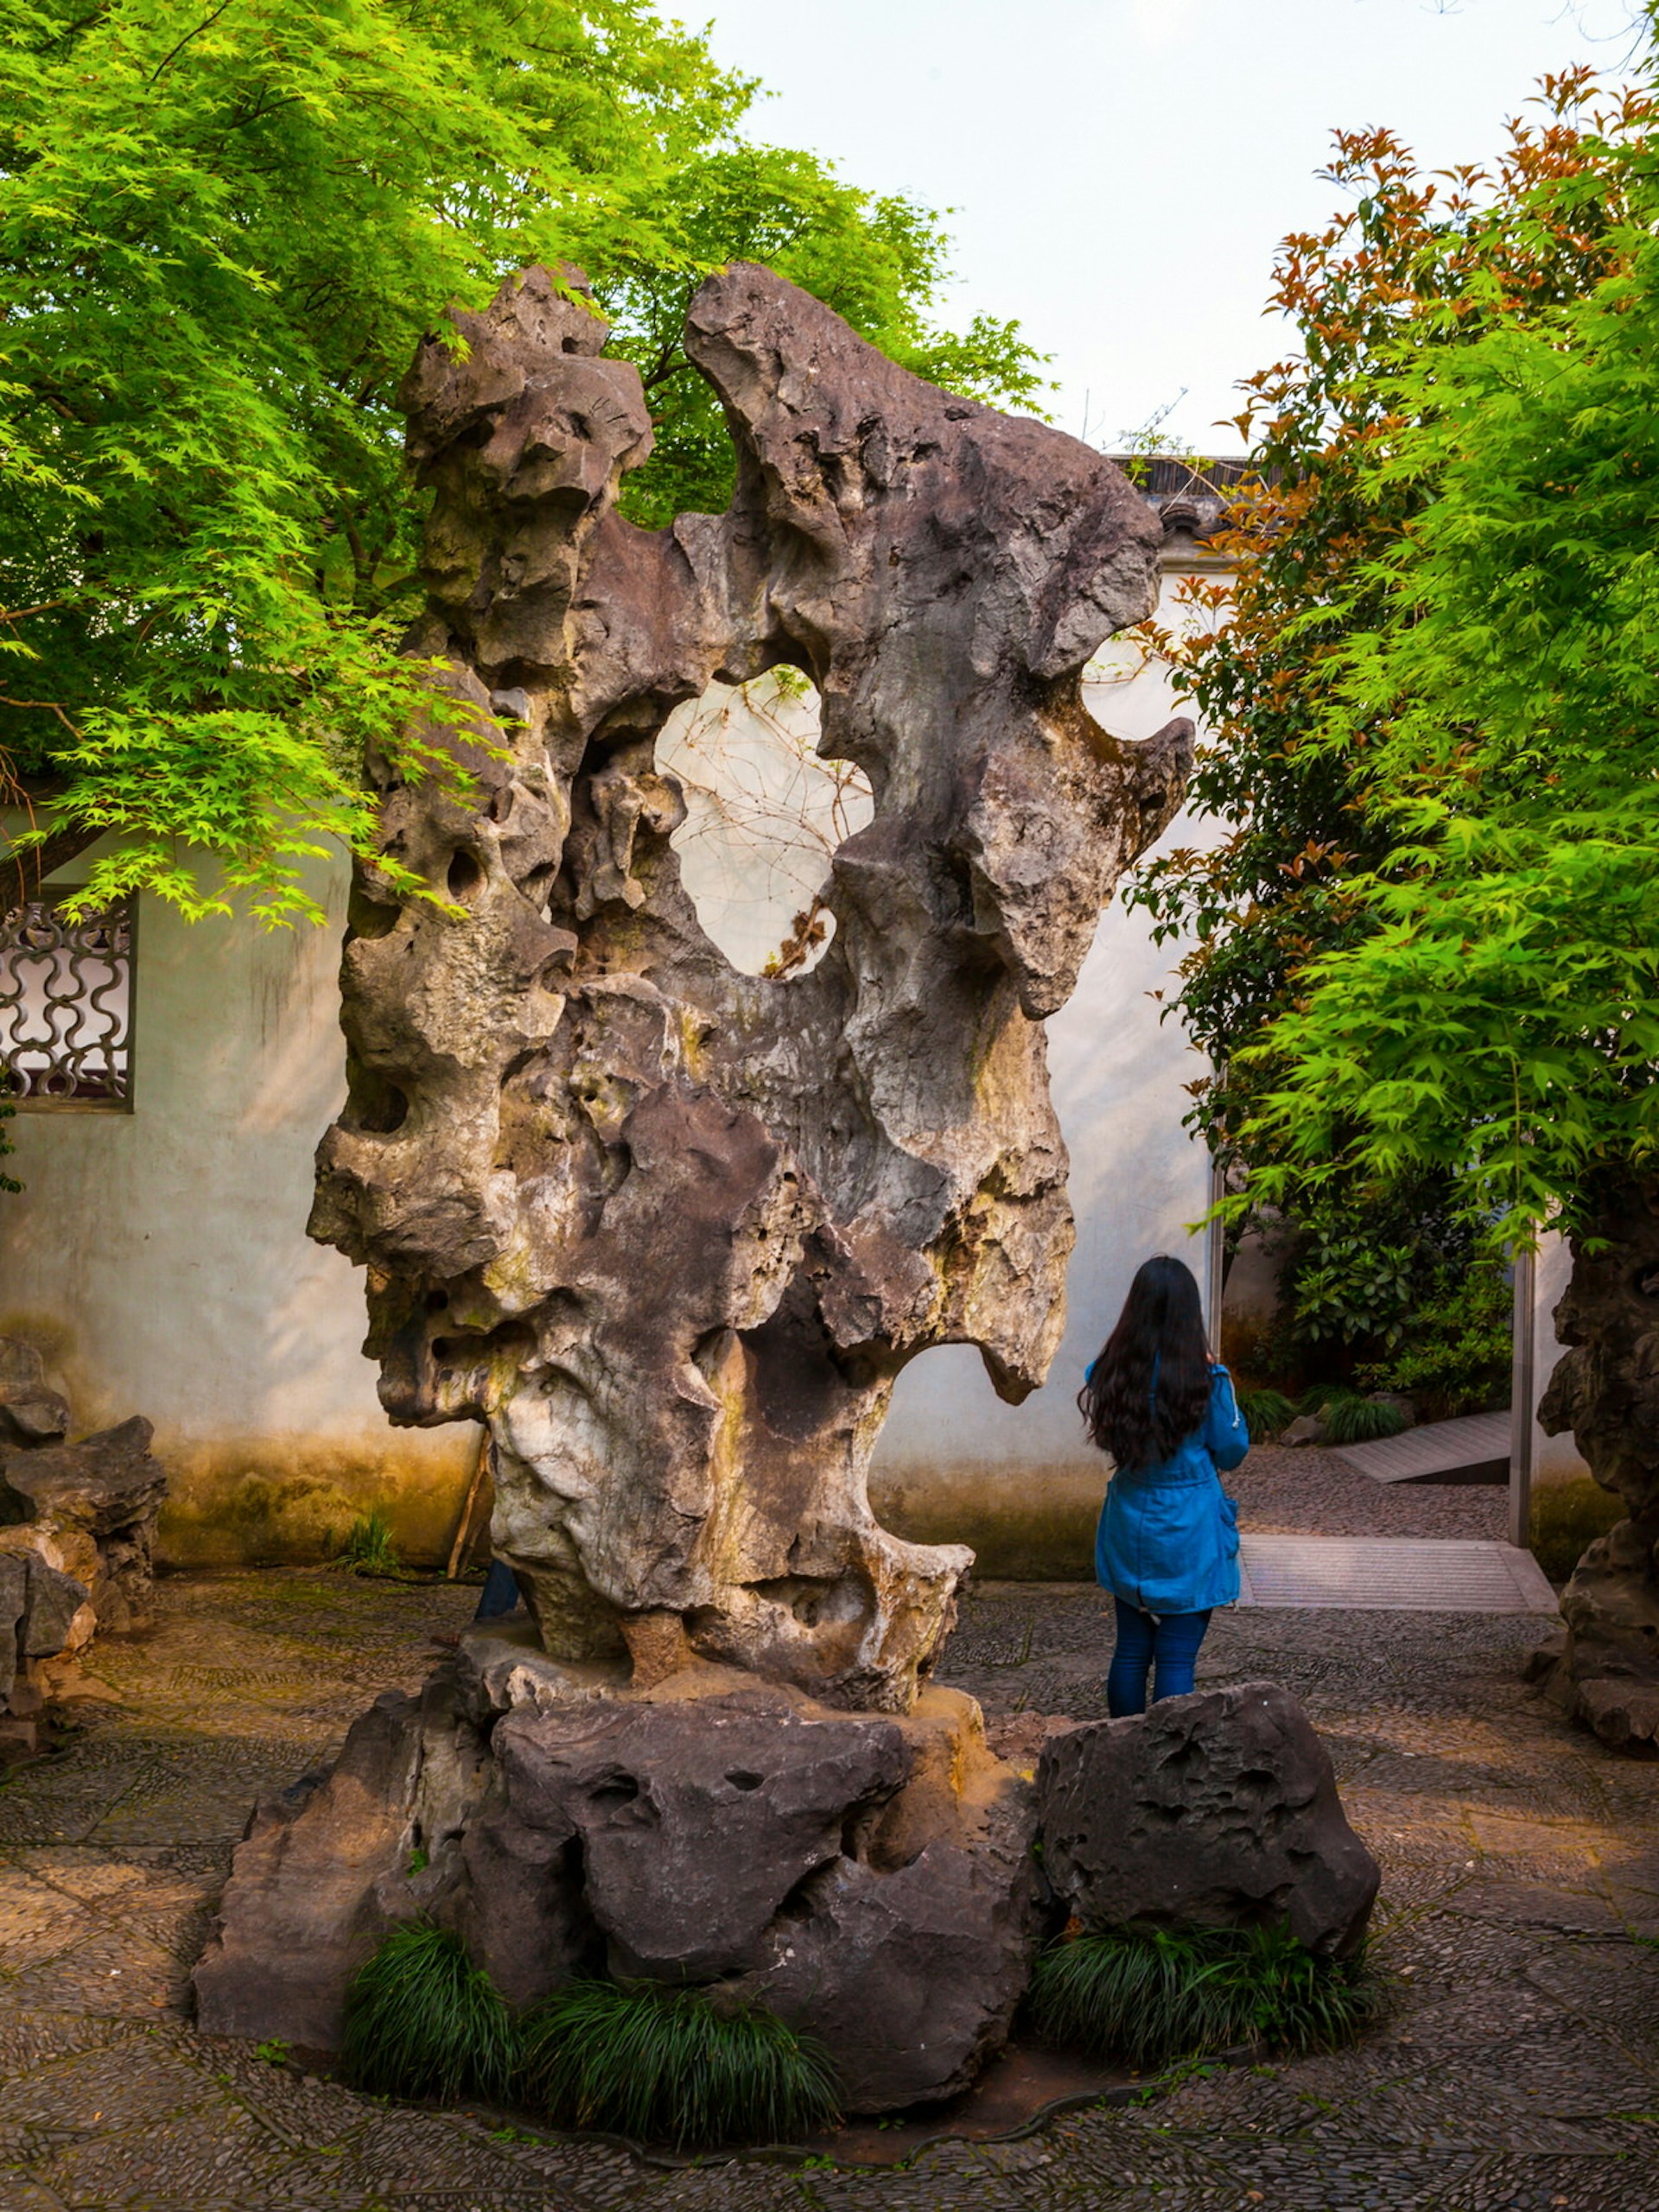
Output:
x=673 y=1231
x=1217 y=1809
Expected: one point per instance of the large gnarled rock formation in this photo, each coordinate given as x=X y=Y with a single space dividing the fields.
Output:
x=673 y=1231
x=1606 y=1389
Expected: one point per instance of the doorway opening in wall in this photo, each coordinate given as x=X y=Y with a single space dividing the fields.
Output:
x=765 y=816
x=66 y=1005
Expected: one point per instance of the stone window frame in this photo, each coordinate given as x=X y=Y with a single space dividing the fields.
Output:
x=51 y=897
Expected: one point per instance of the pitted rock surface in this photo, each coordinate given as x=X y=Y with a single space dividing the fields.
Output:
x=869 y=1879
x=671 y=1229
x=1219 y=1810
x=695 y=1820
x=1606 y=1389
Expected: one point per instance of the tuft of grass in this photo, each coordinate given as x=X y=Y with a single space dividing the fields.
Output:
x=1266 y=1412
x=690 y=2066
x=1319 y=1396
x=368 y=1549
x=1567 y=1519
x=422 y=2021
x=1152 y=1995
x=1361 y=1420
x=1349 y=1417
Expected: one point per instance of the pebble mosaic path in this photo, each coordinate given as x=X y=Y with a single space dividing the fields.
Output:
x=1517 y=2070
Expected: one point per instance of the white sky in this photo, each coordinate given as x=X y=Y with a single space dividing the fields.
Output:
x=1121 y=170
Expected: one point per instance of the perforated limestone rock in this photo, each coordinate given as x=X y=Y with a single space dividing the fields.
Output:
x=673 y=1231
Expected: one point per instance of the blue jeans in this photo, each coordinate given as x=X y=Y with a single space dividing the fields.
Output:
x=1171 y=1640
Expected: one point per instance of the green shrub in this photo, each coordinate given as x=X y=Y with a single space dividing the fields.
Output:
x=1150 y=1996
x=1455 y=1350
x=690 y=2067
x=1266 y=1411
x=1567 y=1518
x=422 y=2021
x=1349 y=1418
x=1361 y=1420
x=368 y=1547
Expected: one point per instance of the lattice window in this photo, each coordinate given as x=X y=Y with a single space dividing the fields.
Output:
x=65 y=1007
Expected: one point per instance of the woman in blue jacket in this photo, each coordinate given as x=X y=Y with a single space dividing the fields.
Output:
x=1167 y=1544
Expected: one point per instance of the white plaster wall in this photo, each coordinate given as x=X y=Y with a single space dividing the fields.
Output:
x=160 y=1257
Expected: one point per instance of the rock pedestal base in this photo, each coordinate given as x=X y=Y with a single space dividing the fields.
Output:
x=868 y=1877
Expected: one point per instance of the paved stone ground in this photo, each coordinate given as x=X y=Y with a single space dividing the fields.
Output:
x=1519 y=2067
x=1312 y=1493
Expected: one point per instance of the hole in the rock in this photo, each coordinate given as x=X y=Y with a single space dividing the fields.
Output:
x=795 y=1384
x=765 y=816
x=465 y=877
x=366 y=917
x=437 y=1301
x=375 y=1106
x=740 y=1778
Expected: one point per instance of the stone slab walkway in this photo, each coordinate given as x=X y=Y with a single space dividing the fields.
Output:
x=1518 y=2071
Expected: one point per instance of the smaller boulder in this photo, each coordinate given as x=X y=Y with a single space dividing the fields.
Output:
x=1306 y=1428
x=90 y=1510
x=30 y=1413
x=1215 y=1810
x=51 y=1611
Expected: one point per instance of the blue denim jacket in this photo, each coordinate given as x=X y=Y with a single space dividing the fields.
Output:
x=1168 y=1534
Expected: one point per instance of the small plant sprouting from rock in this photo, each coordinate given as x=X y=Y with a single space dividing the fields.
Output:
x=274 y=2052
x=367 y=1548
x=1152 y=1996
x=692 y=2067
x=422 y=2021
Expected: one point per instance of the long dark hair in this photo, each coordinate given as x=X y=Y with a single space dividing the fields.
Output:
x=1148 y=1390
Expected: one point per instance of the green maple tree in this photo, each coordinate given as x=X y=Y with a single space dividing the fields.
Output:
x=223 y=229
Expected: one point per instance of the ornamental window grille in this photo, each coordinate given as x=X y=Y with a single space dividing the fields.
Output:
x=65 y=1006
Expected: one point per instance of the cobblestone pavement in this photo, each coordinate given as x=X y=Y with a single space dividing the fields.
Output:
x=1519 y=2067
